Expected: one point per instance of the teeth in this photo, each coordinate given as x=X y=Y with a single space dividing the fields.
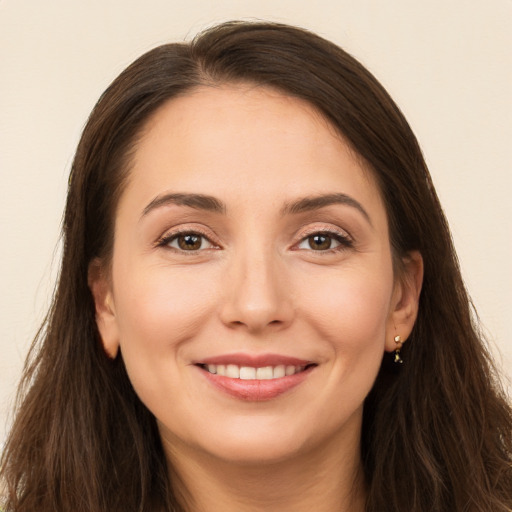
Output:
x=289 y=370
x=265 y=373
x=233 y=371
x=249 y=373
x=279 y=371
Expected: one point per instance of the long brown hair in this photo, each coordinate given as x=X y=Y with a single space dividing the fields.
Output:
x=437 y=435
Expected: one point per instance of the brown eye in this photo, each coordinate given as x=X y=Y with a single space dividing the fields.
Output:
x=189 y=242
x=319 y=242
x=325 y=241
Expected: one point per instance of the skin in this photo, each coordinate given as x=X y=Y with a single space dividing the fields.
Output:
x=259 y=284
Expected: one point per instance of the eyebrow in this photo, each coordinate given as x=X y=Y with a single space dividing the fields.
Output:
x=196 y=201
x=212 y=204
x=310 y=203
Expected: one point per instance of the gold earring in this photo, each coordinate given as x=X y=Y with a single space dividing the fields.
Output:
x=398 y=341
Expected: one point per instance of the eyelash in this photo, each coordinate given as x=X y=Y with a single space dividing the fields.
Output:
x=168 y=238
x=344 y=241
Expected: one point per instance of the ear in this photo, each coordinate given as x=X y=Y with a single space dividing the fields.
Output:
x=405 y=300
x=101 y=289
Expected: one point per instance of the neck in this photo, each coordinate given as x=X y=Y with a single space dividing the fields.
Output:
x=324 y=480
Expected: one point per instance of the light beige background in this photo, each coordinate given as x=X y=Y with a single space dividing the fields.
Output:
x=446 y=63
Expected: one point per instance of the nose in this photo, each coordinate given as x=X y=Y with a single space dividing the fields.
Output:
x=258 y=296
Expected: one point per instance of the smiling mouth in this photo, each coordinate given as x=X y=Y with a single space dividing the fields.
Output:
x=255 y=377
x=234 y=371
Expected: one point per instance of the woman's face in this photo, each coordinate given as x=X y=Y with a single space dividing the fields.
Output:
x=252 y=293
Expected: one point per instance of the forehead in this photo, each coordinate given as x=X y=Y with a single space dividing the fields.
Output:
x=245 y=143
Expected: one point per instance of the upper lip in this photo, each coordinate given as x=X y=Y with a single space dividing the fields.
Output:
x=255 y=360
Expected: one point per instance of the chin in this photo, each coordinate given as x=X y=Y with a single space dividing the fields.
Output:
x=256 y=440
x=256 y=450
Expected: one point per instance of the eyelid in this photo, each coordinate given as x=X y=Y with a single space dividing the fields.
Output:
x=173 y=233
x=344 y=239
x=324 y=228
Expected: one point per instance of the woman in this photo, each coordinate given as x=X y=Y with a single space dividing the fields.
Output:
x=259 y=306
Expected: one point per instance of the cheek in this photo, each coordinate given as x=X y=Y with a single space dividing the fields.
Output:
x=160 y=311
x=161 y=308
x=349 y=308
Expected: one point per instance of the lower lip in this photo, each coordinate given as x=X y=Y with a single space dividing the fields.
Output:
x=254 y=390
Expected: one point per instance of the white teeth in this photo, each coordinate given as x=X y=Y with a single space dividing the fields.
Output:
x=247 y=373
x=234 y=371
x=289 y=370
x=264 y=373
x=279 y=371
